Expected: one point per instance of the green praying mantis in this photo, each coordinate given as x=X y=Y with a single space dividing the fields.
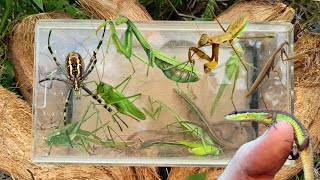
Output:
x=174 y=69
x=72 y=135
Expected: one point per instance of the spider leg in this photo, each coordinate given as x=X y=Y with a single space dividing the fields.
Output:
x=57 y=79
x=54 y=56
x=114 y=114
x=67 y=116
x=93 y=59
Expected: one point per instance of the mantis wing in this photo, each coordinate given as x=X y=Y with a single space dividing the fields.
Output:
x=237 y=25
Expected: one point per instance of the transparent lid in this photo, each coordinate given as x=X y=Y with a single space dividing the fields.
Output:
x=146 y=116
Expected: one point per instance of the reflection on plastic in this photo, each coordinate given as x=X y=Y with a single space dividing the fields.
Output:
x=51 y=74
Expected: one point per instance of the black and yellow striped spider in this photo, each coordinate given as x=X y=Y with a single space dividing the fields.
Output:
x=75 y=73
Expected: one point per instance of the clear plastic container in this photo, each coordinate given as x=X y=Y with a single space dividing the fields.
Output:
x=158 y=140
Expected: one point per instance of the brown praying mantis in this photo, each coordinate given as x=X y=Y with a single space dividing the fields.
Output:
x=234 y=29
x=268 y=67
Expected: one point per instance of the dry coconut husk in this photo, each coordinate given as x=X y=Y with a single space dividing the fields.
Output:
x=21 y=50
x=307 y=98
x=183 y=172
x=307 y=60
x=106 y=9
x=257 y=11
x=16 y=144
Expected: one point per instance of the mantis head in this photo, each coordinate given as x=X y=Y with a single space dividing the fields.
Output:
x=203 y=40
x=120 y=19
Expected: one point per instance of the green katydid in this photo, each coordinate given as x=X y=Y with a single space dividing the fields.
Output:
x=205 y=147
x=200 y=149
x=113 y=97
x=195 y=147
x=72 y=134
x=190 y=127
x=173 y=68
x=221 y=141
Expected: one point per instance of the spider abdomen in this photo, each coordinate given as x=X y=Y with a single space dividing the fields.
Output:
x=74 y=65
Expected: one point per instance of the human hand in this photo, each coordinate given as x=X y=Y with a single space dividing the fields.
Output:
x=263 y=157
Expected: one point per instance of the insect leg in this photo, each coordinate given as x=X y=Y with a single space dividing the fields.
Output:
x=126 y=82
x=57 y=79
x=114 y=115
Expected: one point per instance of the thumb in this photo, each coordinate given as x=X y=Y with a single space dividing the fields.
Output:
x=264 y=156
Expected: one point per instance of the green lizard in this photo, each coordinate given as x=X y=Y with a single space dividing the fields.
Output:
x=268 y=117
